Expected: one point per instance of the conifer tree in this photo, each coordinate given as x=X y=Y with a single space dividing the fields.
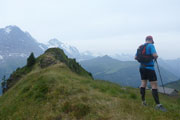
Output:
x=31 y=60
x=4 y=83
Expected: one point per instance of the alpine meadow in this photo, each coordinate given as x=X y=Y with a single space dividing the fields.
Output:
x=89 y=60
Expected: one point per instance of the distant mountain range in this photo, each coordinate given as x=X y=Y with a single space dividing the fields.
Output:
x=15 y=42
x=125 y=73
x=171 y=65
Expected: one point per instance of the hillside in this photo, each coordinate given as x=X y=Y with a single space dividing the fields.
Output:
x=125 y=73
x=16 y=45
x=174 y=85
x=57 y=88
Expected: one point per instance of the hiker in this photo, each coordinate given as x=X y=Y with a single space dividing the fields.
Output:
x=146 y=56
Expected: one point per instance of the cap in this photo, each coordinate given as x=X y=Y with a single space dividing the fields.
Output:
x=149 y=38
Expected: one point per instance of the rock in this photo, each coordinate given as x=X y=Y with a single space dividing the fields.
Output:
x=47 y=61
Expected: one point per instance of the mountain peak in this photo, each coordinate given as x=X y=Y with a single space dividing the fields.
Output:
x=70 y=51
x=10 y=28
x=57 y=53
x=55 y=42
x=106 y=56
x=14 y=40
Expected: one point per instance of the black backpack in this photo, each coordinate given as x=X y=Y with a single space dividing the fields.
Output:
x=141 y=56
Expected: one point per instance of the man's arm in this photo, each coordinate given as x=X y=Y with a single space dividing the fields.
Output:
x=154 y=53
x=135 y=57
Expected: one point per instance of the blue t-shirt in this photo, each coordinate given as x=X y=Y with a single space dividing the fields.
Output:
x=150 y=49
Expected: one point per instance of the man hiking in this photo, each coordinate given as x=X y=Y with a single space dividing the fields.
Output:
x=146 y=55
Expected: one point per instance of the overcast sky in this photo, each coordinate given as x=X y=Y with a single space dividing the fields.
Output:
x=100 y=26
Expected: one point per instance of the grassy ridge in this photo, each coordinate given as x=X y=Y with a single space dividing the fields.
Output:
x=56 y=92
x=50 y=57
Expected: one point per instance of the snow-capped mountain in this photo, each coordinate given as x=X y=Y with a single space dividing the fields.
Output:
x=16 y=45
x=14 y=41
x=70 y=51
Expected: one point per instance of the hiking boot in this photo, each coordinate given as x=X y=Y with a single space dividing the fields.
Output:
x=144 y=103
x=161 y=108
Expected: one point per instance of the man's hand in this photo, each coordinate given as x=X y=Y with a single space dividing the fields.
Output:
x=155 y=56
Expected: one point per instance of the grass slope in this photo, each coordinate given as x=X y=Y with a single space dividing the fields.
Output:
x=56 y=93
x=174 y=85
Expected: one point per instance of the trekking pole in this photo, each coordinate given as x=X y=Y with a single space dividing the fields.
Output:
x=160 y=75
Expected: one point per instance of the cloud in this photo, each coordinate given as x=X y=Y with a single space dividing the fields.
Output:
x=115 y=24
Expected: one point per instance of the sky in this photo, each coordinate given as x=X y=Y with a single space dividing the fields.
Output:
x=99 y=26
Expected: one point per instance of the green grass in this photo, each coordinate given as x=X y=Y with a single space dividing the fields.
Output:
x=55 y=93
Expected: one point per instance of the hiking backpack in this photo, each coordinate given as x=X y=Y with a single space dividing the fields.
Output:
x=141 y=55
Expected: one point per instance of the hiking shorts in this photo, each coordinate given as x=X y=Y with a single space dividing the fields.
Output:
x=147 y=74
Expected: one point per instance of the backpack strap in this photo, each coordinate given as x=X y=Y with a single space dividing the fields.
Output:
x=143 y=47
